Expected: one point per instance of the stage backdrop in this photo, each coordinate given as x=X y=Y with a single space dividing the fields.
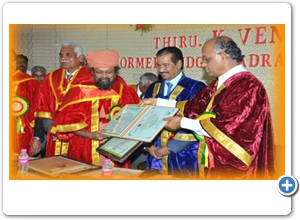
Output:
x=262 y=44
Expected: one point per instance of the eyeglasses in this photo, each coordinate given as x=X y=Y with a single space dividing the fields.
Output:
x=206 y=59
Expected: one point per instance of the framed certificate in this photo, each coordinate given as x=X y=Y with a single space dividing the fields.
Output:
x=118 y=149
x=141 y=124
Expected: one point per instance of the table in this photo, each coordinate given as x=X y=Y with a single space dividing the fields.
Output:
x=40 y=171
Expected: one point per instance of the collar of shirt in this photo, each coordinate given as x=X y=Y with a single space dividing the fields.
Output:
x=173 y=81
x=67 y=73
x=138 y=90
x=230 y=73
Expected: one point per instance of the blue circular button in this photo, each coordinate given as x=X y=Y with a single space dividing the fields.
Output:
x=287 y=185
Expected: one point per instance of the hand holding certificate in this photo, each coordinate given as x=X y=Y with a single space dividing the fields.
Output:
x=132 y=126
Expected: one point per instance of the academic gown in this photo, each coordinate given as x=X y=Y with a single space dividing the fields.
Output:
x=181 y=163
x=26 y=90
x=242 y=118
x=53 y=90
x=87 y=107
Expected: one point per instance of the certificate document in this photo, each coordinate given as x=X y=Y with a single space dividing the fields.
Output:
x=118 y=149
x=141 y=124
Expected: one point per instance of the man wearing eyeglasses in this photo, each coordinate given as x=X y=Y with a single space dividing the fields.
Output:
x=230 y=117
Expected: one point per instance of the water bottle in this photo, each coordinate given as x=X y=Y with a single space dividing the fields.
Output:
x=23 y=162
x=107 y=169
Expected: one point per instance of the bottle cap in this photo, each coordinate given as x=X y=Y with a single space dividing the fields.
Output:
x=24 y=150
x=107 y=160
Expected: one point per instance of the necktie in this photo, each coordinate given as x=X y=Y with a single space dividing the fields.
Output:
x=69 y=77
x=142 y=96
x=169 y=87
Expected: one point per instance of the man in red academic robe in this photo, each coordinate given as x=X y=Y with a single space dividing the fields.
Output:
x=86 y=108
x=25 y=96
x=230 y=117
x=55 y=86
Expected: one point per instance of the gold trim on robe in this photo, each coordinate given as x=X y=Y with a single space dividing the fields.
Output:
x=180 y=105
x=68 y=128
x=95 y=127
x=227 y=142
x=165 y=134
x=184 y=137
x=156 y=89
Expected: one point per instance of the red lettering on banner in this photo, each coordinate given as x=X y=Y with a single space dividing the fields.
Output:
x=175 y=40
x=261 y=59
x=130 y=62
x=156 y=40
x=260 y=35
x=198 y=62
x=166 y=41
x=217 y=33
x=139 y=62
x=123 y=62
x=275 y=30
x=195 y=41
x=251 y=60
x=148 y=62
x=245 y=39
x=155 y=62
x=266 y=60
x=189 y=62
x=182 y=42
x=278 y=61
x=254 y=60
x=193 y=62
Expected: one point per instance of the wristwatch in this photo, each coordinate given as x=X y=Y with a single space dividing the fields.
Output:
x=37 y=138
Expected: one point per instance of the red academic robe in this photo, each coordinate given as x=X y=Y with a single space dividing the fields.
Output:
x=26 y=90
x=134 y=86
x=53 y=90
x=87 y=107
x=242 y=115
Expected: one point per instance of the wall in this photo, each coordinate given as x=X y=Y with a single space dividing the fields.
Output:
x=262 y=45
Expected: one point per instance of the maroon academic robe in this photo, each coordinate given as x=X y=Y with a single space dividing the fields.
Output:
x=242 y=118
x=26 y=90
x=87 y=107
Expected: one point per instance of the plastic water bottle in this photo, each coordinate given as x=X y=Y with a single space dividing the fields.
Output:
x=23 y=162
x=107 y=169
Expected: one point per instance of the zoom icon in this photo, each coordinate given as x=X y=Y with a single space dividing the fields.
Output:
x=287 y=185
